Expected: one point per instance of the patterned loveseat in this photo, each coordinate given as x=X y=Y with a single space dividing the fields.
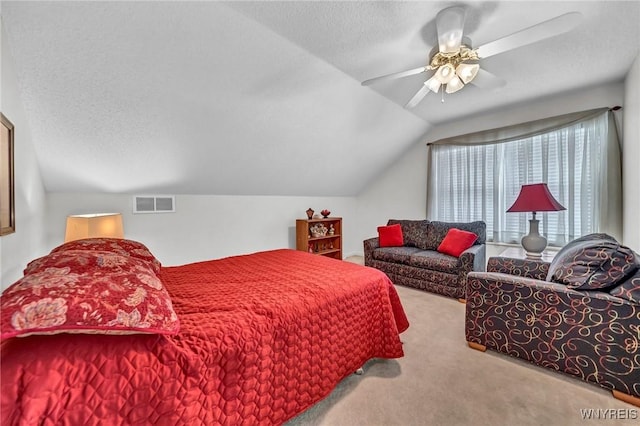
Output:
x=418 y=264
x=579 y=314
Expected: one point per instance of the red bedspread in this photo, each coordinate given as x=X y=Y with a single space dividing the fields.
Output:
x=263 y=337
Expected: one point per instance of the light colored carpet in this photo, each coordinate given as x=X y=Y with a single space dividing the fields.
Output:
x=441 y=381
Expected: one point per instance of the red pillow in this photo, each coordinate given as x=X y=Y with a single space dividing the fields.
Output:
x=390 y=236
x=456 y=241
x=87 y=291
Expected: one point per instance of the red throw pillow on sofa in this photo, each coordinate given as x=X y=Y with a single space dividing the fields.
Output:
x=456 y=241
x=390 y=236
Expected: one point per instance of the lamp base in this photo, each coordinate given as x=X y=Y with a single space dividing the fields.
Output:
x=534 y=243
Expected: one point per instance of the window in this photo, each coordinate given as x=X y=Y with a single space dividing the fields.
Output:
x=480 y=181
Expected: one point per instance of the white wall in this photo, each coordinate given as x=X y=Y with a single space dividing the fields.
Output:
x=630 y=156
x=206 y=226
x=28 y=241
x=600 y=96
x=400 y=192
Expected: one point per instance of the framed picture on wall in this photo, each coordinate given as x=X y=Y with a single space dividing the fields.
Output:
x=7 y=191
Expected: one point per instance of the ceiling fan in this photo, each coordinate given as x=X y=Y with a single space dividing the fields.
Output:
x=455 y=62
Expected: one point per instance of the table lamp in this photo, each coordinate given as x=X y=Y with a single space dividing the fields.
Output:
x=535 y=198
x=106 y=225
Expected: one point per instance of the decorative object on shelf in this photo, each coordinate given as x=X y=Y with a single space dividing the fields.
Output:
x=318 y=230
x=310 y=213
x=106 y=225
x=325 y=213
x=314 y=236
x=535 y=198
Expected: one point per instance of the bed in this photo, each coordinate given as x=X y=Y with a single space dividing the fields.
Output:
x=252 y=339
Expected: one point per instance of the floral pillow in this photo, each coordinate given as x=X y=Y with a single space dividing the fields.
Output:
x=115 y=245
x=87 y=292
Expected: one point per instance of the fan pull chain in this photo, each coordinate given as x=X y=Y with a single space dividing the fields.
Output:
x=442 y=94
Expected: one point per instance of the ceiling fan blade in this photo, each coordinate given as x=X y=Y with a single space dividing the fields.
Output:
x=394 y=76
x=552 y=27
x=486 y=80
x=450 y=24
x=424 y=90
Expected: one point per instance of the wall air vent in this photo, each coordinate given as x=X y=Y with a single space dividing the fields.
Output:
x=154 y=204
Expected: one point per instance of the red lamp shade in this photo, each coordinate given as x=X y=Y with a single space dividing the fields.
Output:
x=535 y=198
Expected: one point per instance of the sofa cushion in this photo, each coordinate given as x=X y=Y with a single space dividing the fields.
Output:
x=414 y=232
x=438 y=230
x=390 y=236
x=573 y=243
x=592 y=264
x=395 y=254
x=630 y=288
x=456 y=242
x=429 y=259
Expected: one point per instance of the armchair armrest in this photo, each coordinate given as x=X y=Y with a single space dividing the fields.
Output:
x=480 y=282
x=369 y=246
x=527 y=268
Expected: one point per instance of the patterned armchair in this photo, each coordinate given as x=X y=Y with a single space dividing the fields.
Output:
x=579 y=314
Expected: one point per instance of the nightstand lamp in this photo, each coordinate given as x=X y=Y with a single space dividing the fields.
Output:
x=535 y=198
x=106 y=225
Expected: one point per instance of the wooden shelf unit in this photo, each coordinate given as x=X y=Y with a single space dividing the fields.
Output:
x=328 y=245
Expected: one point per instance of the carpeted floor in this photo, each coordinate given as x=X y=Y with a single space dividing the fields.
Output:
x=441 y=381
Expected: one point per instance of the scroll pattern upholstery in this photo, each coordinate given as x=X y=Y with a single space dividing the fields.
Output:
x=630 y=289
x=413 y=231
x=441 y=274
x=593 y=264
x=528 y=268
x=588 y=334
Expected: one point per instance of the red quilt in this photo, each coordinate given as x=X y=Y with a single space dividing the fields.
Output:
x=263 y=337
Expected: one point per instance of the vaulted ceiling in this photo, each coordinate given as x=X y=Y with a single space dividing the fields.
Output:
x=264 y=98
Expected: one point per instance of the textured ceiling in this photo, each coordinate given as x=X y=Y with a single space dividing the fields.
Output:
x=264 y=98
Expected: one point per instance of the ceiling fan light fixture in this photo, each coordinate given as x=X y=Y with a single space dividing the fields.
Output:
x=445 y=73
x=454 y=85
x=433 y=84
x=467 y=72
x=449 y=24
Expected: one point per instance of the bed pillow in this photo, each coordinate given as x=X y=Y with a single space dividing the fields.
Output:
x=115 y=245
x=592 y=264
x=456 y=242
x=390 y=236
x=92 y=292
x=87 y=261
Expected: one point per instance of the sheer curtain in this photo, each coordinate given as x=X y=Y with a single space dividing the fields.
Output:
x=478 y=176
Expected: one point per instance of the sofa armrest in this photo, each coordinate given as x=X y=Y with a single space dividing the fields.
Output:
x=527 y=268
x=369 y=246
x=474 y=258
